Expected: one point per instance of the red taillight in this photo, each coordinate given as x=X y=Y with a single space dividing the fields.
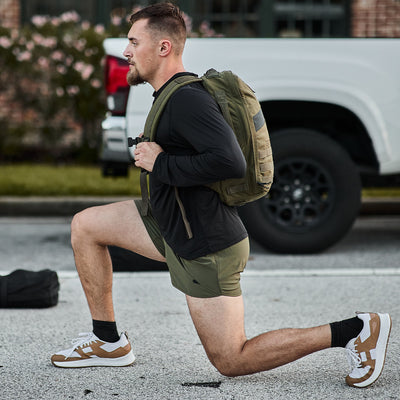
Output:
x=117 y=87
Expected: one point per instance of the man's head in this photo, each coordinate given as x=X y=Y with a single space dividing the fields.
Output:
x=164 y=20
x=158 y=31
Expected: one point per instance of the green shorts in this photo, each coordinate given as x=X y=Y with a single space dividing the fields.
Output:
x=216 y=274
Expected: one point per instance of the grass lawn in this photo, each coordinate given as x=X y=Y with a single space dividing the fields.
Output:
x=47 y=180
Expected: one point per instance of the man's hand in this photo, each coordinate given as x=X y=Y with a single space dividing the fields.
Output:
x=146 y=154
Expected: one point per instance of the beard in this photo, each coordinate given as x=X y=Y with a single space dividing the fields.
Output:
x=133 y=78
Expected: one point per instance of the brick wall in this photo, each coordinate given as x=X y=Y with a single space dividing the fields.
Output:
x=376 y=18
x=10 y=13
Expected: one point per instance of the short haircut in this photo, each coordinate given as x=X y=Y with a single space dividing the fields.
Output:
x=164 y=19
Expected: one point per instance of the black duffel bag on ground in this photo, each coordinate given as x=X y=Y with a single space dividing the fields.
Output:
x=29 y=289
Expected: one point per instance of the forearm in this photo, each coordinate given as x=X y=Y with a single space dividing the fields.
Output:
x=199 y=169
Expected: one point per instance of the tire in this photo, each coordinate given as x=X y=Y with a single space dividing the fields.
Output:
x=115 y=169
x=314 y=199
x=125 y=260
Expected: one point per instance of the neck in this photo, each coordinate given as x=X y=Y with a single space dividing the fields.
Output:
x=165 y=74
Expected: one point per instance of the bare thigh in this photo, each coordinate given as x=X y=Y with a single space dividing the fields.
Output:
x=117 y=224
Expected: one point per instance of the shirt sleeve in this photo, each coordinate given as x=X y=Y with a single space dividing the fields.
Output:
x=196 y=119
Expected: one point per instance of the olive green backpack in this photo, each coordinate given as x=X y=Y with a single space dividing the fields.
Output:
x=242 y=111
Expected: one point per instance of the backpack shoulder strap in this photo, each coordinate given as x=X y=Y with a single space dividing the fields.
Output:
x=150 y=129
x=160 y=102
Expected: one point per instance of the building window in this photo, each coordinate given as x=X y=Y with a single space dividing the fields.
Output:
x=311 y=18
x=232 y=18
x=86 y=9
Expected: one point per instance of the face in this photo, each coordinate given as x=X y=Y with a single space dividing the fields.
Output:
x=141 y=53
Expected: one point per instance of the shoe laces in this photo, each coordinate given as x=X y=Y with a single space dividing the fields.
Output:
x=353 y=357
x=83 y=338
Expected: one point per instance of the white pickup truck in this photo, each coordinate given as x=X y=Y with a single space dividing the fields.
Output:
x=332 y=108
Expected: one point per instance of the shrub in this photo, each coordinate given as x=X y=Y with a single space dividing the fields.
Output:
x=51 y=76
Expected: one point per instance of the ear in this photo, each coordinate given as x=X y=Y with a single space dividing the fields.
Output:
x=165 y=47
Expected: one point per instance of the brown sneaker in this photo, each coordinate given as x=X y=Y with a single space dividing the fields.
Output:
x=366 y=353
x=89 y=351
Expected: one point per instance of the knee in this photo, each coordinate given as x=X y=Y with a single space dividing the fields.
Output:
x=226 y=365
x=80 y=227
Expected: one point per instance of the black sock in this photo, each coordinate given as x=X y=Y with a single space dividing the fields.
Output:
x=106 y=331
x=344 y=331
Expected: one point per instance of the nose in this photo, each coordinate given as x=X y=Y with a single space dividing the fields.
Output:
x=127 y=53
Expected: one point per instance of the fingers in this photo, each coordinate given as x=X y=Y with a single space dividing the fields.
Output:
x=146 y=154
x=137 y=157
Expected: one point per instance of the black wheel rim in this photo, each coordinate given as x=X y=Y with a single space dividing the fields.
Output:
x=301 y=197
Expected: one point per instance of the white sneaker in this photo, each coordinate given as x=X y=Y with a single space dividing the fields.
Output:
x=89 y=351
x=367 y=352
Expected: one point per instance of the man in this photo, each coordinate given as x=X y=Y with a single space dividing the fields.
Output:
x=194 y=146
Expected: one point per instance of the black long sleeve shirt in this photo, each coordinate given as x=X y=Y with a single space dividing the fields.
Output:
x=199 y=148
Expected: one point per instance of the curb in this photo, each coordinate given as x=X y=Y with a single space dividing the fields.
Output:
x=380 y=206
x=51 y=206
x=68 y=206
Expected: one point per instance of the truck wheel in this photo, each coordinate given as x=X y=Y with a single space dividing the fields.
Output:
x=114 y=169
x=314 y=199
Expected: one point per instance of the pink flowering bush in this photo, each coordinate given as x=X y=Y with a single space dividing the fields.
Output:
x=51 y=79
x=52 y=99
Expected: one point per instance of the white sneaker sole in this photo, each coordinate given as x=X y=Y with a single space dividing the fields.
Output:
x=98 y=362
x=381 y=348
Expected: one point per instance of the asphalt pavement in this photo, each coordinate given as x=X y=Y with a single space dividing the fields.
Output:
x=170 y=361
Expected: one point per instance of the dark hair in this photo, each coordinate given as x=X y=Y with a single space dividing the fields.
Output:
x=164 y=18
